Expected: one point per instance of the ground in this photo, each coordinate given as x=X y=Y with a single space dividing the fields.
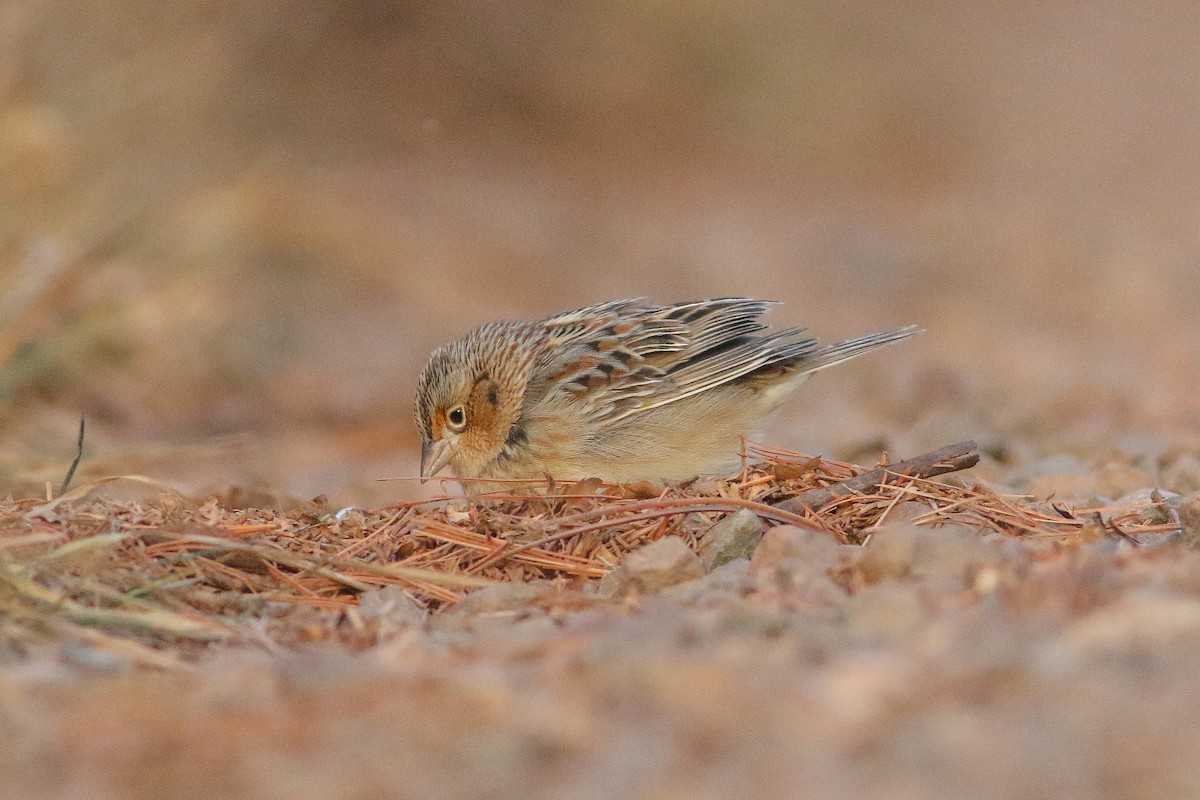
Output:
x=229 y=238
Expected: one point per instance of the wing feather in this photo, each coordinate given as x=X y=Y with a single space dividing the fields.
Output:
x=625 y=357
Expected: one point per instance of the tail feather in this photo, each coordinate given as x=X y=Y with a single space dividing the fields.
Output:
x=853 y=348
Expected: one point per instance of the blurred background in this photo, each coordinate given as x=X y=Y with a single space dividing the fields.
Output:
x=230 y=233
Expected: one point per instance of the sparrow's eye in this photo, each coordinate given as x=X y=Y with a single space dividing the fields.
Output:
x=456 y=419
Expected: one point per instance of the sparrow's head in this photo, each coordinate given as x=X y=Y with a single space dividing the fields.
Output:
x=469 y=396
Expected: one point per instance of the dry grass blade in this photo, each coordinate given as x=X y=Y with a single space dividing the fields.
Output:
x=146 y=620
x=270 y=554
x=78 y=546
x=123 y=647
x=46 y=510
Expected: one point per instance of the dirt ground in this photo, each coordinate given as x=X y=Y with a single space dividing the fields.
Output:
x=231 y=234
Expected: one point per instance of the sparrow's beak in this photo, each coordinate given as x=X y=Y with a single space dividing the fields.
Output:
x=434 y=458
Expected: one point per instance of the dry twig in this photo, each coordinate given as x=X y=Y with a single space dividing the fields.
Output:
x=951 y=458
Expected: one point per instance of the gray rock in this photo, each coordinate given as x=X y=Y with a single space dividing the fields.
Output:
x=502 y=598
x=660 y=564
x=726 y=582
x=614 y=583
x=798 y=561
x=900 y=549
x=736 y=536
x=390 y=607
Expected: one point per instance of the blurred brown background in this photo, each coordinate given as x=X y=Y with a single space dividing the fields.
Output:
x=230 y=233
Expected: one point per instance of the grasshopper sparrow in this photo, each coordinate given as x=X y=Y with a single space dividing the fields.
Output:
x=624 y=390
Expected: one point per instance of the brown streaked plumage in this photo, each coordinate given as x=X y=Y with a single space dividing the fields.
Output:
x=624 y=390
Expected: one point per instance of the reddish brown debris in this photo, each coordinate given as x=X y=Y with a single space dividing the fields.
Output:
x=178 y=574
